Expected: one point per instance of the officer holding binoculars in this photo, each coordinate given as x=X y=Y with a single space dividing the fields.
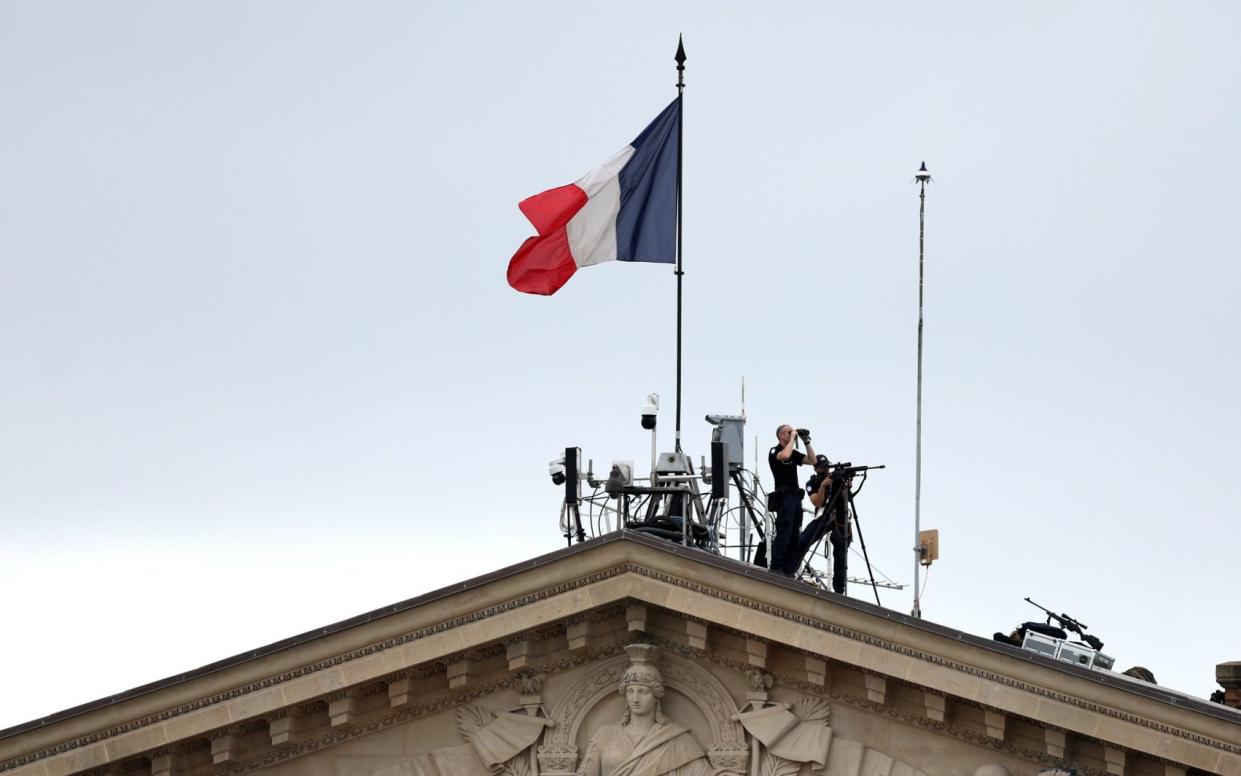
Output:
x=785 y=500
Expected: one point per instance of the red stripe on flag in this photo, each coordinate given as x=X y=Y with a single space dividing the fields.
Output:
x=553 y=208
x=542 y=264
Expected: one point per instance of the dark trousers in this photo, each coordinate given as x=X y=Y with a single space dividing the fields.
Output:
x=784 y=555
x=840 y=560
x=839 y=538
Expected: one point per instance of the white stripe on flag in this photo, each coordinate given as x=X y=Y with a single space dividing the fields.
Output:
x=592 y=231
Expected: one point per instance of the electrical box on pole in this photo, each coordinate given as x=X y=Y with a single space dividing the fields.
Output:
x=928 y=546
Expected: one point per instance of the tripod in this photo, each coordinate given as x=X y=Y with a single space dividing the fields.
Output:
x=862 y=541
x=838 y=491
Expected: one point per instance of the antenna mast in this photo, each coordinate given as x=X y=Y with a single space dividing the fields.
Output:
x=922 y=177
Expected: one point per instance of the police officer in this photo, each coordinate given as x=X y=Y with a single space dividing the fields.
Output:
x=784 y=459
x=834 y=521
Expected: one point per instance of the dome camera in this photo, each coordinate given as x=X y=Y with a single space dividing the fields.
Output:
x=650 y=409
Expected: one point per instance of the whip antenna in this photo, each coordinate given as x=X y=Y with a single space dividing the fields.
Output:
x=922 y=178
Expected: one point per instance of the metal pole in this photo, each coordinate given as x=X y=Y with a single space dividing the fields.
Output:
x=680 y=60
x=922 y=177
x=654 y=455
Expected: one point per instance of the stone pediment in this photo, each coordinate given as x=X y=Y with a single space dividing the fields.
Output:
x=518 y=673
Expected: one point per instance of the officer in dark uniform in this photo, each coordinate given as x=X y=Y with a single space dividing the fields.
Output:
x=784 y=459
x=833 y=519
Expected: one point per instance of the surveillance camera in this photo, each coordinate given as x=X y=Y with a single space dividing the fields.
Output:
x=649 y=410
x=555 y=468
x=620 y=478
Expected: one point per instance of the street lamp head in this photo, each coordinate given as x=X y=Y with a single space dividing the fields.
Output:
x=922 y=176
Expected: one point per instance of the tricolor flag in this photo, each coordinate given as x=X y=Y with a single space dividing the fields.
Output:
x=625 y=209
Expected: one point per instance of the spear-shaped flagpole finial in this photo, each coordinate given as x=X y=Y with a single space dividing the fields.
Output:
x=680 y=271
x=680 y=58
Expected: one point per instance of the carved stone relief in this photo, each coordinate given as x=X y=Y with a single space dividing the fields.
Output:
x=652 y=713
x=646 y=742
x=497 y=744
x=789 y=736
x=726 y=747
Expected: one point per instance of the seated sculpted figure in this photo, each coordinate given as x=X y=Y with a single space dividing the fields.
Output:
x=645 y=743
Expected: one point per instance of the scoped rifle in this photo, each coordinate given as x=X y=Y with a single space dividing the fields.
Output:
x=1070 y=624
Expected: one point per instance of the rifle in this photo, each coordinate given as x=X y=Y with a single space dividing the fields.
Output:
x=1070 y=624
x=847 y=469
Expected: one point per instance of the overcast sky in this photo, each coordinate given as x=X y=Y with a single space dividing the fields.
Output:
x=260 y=369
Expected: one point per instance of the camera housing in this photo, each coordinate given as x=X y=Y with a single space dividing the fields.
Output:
x=650 y=408
x=620 y=478
x=730 y=429
x=555 y=468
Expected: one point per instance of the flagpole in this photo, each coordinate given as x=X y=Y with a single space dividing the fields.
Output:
x=680 y=60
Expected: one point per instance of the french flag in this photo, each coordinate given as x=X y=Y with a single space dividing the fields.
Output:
x=625 y=209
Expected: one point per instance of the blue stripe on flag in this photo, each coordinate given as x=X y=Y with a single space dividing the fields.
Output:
x=646 y=223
